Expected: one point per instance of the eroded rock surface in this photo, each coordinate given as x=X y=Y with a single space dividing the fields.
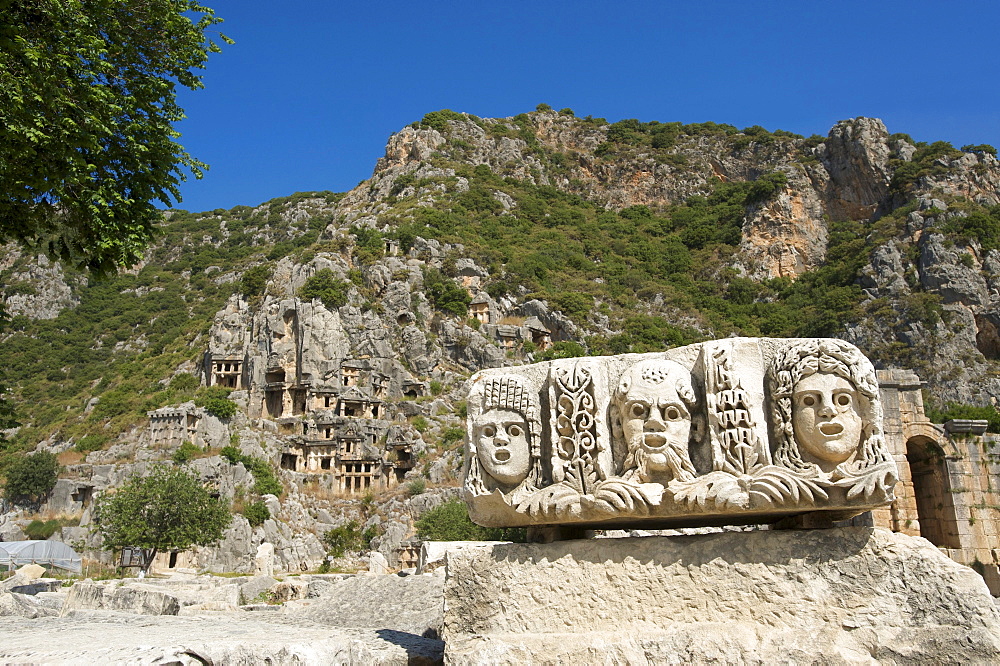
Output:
x=851 y=595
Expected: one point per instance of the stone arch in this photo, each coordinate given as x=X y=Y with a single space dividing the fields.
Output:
x=928 y=459
x=925 y=430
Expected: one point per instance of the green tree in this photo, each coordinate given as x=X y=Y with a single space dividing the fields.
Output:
x=166 y=510
x=325 y=286
x=31 y=478
x=88 y=96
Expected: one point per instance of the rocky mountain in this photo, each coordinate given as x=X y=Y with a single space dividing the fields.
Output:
x=346 y=324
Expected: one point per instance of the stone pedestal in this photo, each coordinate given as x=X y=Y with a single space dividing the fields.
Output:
x=844 y=595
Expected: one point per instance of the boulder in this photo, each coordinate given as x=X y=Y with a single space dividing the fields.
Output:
x=22 y=605
x=846 y=595
x=377 y=564
x=253 y=588
x=411 y=604
x=130 y=598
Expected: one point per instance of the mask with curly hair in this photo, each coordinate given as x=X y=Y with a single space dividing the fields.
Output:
x=825 y=408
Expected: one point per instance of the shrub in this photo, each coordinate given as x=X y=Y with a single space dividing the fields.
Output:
x=90 y=443
x=416 y=487
x=184 y=382
x=256 y=513
x=574 y=305
x=420 y=423
x=981 y=148
x=232 y=454
x=439 y=119
x=562 y=349
x=254 y=281
x=41 y=530
x=266 y=482
x=32 y=478
x=452 y=435
x=958 y=411
x=445 y=295
x=326 y=287
x=348 y=537
x=215 y=400
x=450 y=522
x=185 y=452
x=436 y=387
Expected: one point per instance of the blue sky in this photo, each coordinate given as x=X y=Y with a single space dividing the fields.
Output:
x=308 y=95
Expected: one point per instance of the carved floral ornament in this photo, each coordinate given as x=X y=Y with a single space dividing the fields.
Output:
x=738 y=430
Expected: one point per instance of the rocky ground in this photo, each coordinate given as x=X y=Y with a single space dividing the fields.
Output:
x=189 y=619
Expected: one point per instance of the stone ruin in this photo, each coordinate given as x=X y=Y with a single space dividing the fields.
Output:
x=734 y=431
x=726 y=447
x=791 y=432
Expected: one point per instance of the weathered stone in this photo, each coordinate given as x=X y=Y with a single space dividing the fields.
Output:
x=848 y=595
x=13 y=604
x=433 y=553
x=412 y=604
x=743 y=430
x=132 y=598
x=255 y=587
x=264 y=561
x=208 y=638
x=377 y=564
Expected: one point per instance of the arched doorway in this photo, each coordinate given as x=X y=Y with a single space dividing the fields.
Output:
x=932 y=492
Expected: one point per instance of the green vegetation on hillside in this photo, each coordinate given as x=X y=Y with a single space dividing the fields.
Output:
x=648 y=277
x=124 y=341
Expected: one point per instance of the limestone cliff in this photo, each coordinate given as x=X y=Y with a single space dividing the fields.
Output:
x=479 y=243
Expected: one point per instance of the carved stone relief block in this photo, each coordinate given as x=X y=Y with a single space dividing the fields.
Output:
x=740 y=430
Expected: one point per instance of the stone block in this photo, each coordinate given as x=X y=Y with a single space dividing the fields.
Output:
x=823 y=596
x=136 y=599
x=255 y=587
x=432 y=553
x=735 y=431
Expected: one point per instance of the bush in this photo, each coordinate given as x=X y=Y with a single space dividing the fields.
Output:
x=231 y=454
x=958 y=411
x=982 y=148
x=439 y=119
x=41 y=530
x=436 y=387
x=450 y=522
x=266 y=482
x=348 y=537
x=444 y=294
x=416 y=487
x=31 y=478
x=184 y=382
x=254 y=281
x=562 y=349
x=325 y=286
x=185 y=452
x=215 y=400
x=256 y=513
x=452 y=435
x=90 y=443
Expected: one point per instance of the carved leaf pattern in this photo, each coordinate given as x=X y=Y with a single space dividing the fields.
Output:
x=551 y=502
x=769 y=485
x=871 y=485
x=578 y=446
x=616 y=495
x=729 y=415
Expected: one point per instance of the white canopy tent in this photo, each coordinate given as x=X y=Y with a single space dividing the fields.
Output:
x=50 y=553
